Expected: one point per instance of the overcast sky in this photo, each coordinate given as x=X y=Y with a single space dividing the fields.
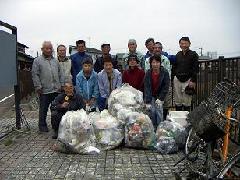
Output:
x=213 y=25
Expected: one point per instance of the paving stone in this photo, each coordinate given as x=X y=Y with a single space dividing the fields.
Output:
x=30 y=157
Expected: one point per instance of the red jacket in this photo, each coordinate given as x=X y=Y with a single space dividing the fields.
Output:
x=134 y=77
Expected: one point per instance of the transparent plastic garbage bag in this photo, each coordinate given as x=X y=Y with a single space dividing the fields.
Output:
x=125 y=97
x=166 y=145
x=76 y=133
x=108 y=130
x=172 y=130
x=139 y=131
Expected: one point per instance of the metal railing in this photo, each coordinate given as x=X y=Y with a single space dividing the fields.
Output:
x=214 y=71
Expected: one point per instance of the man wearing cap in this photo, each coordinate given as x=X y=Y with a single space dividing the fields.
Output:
x=132 y=47
x=134 y=75
x=77 y=59
x=106 y=48
x=184 y=74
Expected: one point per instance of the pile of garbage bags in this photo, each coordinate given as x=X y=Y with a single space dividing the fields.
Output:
x=108 y=130
x=126 y=104
x=125 y=122
x=76 y=133
x=139 y=131
x=170 y=137
x=86 y=134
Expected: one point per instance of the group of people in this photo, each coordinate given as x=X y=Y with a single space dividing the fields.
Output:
x=77 y=82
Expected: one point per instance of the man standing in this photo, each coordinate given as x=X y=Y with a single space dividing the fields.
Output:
x=157 y=50
x=149 y=43
x=134 y=75
x=108 y=80
x=184 y=74
x=47 y=79
x=65 y=63
x=132 y=47
x=78 y=58
x=98 y=66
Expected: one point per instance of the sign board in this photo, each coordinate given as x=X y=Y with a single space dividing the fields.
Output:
x=8 y=76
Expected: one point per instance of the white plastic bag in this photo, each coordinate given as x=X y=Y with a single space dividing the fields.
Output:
x=125 y=97
x=76 y=132
x=108 y=130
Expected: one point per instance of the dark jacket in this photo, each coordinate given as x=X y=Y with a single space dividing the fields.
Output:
x=75 y=103
x=77 y=60
x=164 y=82
x=186 y=66
x=98 y=66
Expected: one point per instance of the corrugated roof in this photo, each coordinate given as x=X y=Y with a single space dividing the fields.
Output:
x=23 y=45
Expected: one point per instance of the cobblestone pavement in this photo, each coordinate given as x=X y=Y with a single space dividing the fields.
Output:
x=29 y=156
x=7 y=121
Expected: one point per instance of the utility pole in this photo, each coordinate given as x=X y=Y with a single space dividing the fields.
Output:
x=201 y=50
x=89 y=41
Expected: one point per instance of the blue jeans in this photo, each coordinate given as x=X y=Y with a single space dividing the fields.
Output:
x=45 y=101
x=156 y=113
x=102 y=103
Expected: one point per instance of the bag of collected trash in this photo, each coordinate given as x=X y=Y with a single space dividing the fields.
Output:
x=76 y=133
x=139 y=131
x=125 y=97
x=166 y=145
x=172 y=130
x=108 y=130
x=123 y=114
